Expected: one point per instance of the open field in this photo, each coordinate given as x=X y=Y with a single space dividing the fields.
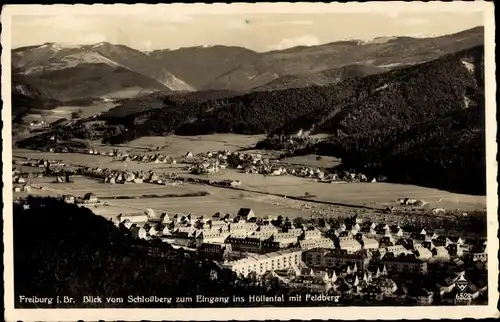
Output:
x=218 y=200
x=82 y=185
x=178 y=146
x=312 y=161
x=256 y=187
x=129 y=92
x=61 y=112
x=377 y=195
x=210 y=205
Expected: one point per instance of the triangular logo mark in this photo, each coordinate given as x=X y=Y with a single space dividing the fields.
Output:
x=462 y=283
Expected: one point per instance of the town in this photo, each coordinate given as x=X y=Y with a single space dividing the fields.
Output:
x=353 y=259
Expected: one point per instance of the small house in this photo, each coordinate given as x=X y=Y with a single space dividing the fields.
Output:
x=69 y=199
x=245 y=213
x=90 y=198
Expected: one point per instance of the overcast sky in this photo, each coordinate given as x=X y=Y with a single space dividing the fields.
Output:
x=159 y=29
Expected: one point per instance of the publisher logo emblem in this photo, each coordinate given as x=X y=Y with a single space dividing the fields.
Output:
x=462 y=283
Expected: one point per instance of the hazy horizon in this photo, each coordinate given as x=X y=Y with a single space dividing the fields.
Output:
x=258 y=32
x=66 y=45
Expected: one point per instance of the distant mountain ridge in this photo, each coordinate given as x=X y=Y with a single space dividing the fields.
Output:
x=57 y=69
x=302 y=61
x=241 y=69
x=51 y=57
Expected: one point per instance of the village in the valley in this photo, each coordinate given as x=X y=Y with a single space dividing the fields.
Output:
x=363 y=257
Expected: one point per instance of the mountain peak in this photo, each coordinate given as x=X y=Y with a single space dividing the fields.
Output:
x=101 y=44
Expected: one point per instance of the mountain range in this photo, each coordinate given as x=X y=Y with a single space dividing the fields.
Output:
x=105 y=70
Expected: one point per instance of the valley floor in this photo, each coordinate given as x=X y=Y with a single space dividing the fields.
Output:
x=267 y=195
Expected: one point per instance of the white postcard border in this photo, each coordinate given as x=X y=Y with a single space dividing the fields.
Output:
x=389 y=313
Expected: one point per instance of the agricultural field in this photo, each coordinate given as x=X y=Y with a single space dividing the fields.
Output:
x=210 y=205
x=313 y=160
x=376 y=195
x=64 y=112
x=82 y=185
x=178 y=146
x=218 y=200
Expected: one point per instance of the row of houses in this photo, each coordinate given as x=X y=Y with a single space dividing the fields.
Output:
x=256 y=163
x=149 y=158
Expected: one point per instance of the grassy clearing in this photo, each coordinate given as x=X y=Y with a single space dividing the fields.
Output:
x=178 y=146
x=313 y=160
x=82 y=185
x=61 y=112
x=378 y=195
x=210 y=205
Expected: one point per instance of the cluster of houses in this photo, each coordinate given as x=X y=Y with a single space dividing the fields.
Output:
x=88 y=199
x=149 y=158
x=37 y=123
x=97 y=152
x=213 y=161
x=40 y=163
x=353 y=257
x=375 y=282
x=112 y=176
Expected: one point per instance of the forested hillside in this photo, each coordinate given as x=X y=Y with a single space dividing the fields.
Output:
x=62 y=249
x=89 y=81
x=323 y=78
x=447 y=153
x=396 y=98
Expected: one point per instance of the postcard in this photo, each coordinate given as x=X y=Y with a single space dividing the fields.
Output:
x=267 y=161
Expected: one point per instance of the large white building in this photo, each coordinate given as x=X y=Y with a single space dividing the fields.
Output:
x=322 y=242
x=261 y=264
x=349 y=245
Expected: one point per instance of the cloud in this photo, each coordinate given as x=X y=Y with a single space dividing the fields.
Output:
x=239 y=24
x=305 y=40
x=59 y=21
x=87 y=39
x=177 y=18
x=300 y=22
x=412 y=21
x=147 y=45
x=289 y=22
x=392 y=14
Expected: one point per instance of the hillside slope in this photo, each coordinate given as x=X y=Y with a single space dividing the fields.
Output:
x=323 y=78
x=201 y=65
x=88 y=80
x=388 y=53
x=53 y=68
x=26 y=98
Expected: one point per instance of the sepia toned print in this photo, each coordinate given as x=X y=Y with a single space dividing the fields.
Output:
x=267 y=161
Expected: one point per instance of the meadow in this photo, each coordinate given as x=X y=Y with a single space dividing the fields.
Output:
x=64 y=112
x=376 y=195
x=313 y=160
x=219 y=199
x=178 y=146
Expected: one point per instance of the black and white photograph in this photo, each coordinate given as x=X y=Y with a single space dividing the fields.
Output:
x=249 y=161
